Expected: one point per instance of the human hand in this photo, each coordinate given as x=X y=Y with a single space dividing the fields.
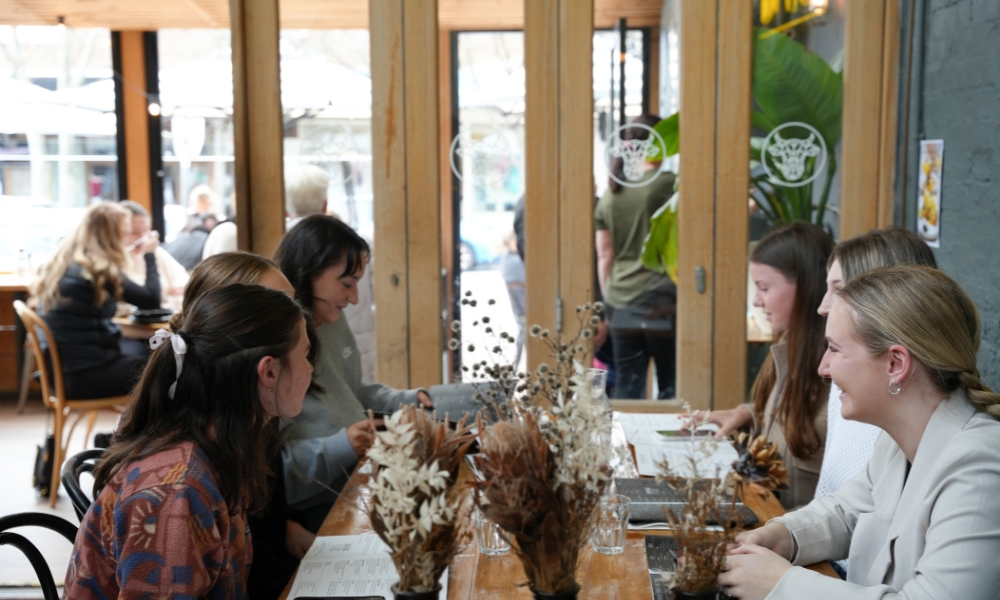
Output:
x=752 y=572
x=601 y=335
x=774 y=536
x=728 y=420
x=298 y=539
x=150 y=243
x=424 y=399
x=361 y=435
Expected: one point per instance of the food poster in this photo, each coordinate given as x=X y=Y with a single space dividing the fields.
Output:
x=929 y=192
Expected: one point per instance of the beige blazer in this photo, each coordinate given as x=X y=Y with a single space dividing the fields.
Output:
x=936 y=537
x=803 y=474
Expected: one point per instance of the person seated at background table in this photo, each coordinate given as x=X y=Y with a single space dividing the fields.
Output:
x=849 y=444
x=279 y=541
x=77 y=294
x=189 y=459
x=173 y=275
x=324 y=259
x=789 y=396
x=922 y=520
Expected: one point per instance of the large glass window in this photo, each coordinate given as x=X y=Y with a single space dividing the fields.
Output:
x=58 y=151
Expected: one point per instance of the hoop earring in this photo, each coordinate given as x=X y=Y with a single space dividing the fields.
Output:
x=895 y=388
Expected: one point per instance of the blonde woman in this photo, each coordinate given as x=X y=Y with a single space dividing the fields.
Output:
x=922 y=520
x=77 y=295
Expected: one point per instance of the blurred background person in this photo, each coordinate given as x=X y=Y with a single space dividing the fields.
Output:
x=77 y=294
x=173 y=275
x=188 y=247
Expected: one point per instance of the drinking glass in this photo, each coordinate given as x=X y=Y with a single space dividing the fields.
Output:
x=598 y=379
x=607 y=534
x=488 y=537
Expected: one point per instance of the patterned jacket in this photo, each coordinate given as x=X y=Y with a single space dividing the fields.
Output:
x=161 y=529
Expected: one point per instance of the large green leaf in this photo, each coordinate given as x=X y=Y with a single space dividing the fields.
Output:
x=659 y=251
x=669 y=130
x=791 y=83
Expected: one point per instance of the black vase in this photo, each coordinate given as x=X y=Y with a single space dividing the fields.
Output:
x=555 y=595
x=684 y=595
x=431 y=595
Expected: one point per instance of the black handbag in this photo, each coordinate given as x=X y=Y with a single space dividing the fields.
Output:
x=41 y=479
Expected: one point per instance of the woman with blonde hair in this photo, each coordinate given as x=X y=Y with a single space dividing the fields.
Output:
x=77 y=295
x=849 y=444
x=922 y=520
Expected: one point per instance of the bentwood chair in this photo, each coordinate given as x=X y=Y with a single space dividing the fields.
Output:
x=54 y=394
x=72 y=469
x=57 y=524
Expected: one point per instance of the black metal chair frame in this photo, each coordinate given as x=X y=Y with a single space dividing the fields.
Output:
x=57 y=524
x=76 y=465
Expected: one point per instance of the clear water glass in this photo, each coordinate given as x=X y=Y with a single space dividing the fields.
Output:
x=488 y=536
x=598 y=379
x=607 y=534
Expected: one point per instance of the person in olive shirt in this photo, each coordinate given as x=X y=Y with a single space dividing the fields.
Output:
x=642 y=303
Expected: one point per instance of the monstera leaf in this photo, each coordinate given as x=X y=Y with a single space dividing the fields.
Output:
x=659 y=251
x=669 y=131
x=791 y=83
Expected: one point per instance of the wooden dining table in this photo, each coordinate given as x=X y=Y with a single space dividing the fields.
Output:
x=138 y=331
x=474 y=576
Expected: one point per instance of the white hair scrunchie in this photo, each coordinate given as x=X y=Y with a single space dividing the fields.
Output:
x=178 y=345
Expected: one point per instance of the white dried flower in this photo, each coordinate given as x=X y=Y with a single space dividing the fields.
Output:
x=453 y=344
x=535 y=330
x=456 y=326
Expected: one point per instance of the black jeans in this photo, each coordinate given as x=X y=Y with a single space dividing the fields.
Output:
x=116 y=378
x=640 y=332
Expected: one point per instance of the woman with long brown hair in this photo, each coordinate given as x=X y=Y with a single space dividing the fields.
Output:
x=788 y=399
x=190 y=458
x=77 y=295
x=922 y=520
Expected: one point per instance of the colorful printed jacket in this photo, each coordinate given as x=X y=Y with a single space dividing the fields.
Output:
x=161 y=529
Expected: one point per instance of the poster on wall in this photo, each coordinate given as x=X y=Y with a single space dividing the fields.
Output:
x=929 y=192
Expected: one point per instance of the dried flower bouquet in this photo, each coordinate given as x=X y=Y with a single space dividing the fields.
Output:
x=545 y=463
x=416 y=506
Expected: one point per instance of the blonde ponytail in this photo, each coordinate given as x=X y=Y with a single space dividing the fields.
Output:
x=979 y=394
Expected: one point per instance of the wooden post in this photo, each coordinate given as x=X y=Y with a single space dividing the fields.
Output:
x=257 y=126
x=889 y=116
x=405 y=167
x=697 y=206
x=136 y=120
x=732 y=180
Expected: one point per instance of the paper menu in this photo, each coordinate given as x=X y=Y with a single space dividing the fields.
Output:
x=678 y=455
x=637 y=424
x=348 y=566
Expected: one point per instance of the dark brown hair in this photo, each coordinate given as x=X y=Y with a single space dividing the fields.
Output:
x=881 y=248
x=216 y=404
x=219 y=270
x=630 y=133
x=799 y=251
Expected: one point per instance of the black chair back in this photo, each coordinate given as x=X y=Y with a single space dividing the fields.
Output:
x=57 y=524
x=76 y=465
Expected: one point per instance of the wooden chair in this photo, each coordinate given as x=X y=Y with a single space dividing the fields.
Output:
x=54 y=394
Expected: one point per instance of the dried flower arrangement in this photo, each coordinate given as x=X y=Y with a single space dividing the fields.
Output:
x=703 y=550
x=545 y=463
x=416 y=506
x=759 y=462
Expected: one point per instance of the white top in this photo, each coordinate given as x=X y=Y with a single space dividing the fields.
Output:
x=222 y=239
x=849 y=445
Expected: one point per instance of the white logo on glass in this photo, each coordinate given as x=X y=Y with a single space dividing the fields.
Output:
x=634 y=154
x=489 y=157
x=788 y=155
x=329 y=148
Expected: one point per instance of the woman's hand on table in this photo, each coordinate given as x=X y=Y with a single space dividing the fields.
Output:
x=773 y=536
x=752 y=572
x=424 y=399
x=298 y=539
x=728 y=420
x=361 y=435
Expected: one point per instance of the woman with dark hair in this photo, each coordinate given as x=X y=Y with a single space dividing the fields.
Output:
x=189 y=459
x=788 y=399
x=323 y=259
x=641 y=304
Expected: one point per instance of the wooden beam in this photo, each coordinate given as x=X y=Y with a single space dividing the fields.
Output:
x=654 y=71
x=257 y=124
x=860 y=149
x=696 y=208
x=541 y=126
x=136 y=118
x=889 y=116
x=732 y=181
x=423 y=190
x=576 y=159
x=389 y=188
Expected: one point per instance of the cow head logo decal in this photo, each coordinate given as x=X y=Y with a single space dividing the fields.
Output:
x=784 y=156
x=634 y=154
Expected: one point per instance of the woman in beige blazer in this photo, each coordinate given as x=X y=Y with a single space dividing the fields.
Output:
x=922 y=521
x=788 y=399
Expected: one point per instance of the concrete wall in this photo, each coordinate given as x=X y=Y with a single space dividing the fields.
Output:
x=955 y=96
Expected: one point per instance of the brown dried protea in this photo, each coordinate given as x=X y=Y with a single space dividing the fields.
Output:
x=759 y=462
